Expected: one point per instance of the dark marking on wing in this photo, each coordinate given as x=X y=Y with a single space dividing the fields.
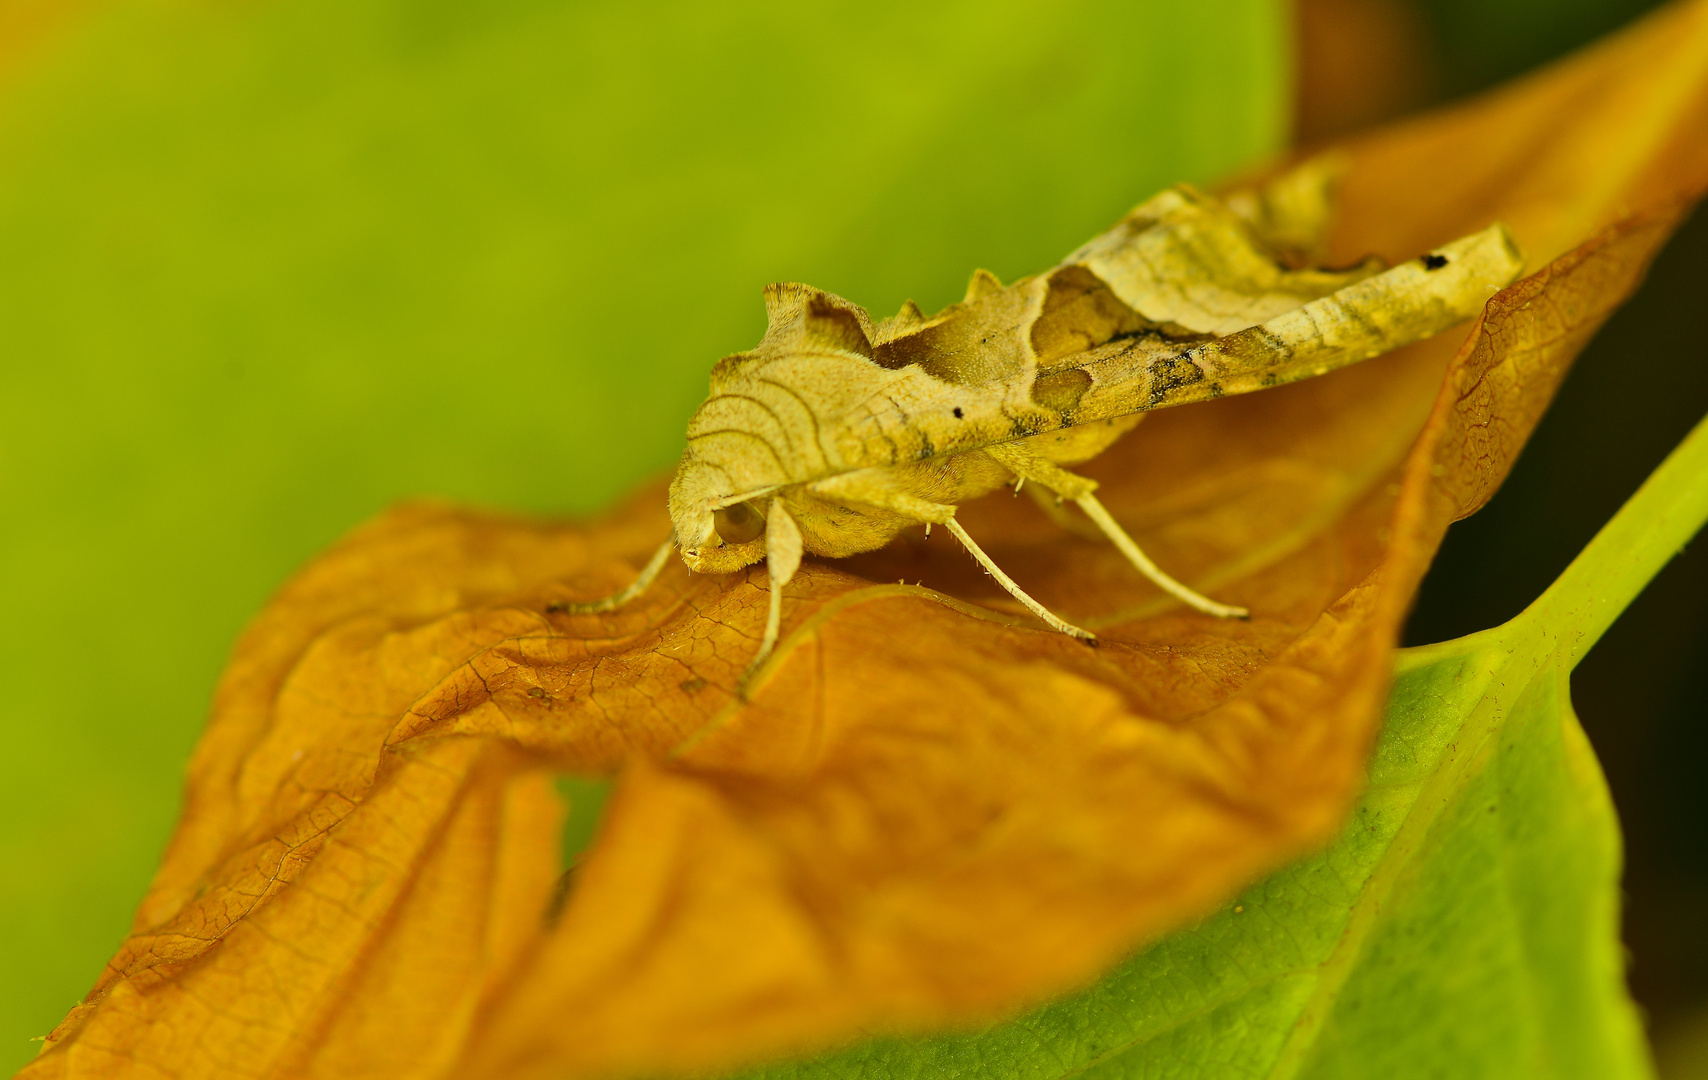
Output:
x=1017 y=427
x=1252 y=351
x=1170 y=373
x=914 y=348
x=1061 y=390
x=1434 y=262
x=1079 y=312
x=972 y=344
x=830 y=324
x=1164 y=333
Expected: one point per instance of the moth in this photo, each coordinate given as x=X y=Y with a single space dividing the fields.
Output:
x=838 y=431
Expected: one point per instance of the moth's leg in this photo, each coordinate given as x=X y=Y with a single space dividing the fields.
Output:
x=1094 y=510
x=635 y=588
x=782 y=559
x=855 y=487
x=1030 y=466
x=995 y=571
x=1051 y=504
x=869 y=486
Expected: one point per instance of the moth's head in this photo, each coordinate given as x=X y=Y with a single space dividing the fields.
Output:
x=740 y=451
x=716 y=532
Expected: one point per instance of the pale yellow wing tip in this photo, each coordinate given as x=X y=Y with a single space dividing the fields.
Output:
x=1513 y=250
x=982 y=284
x=1494 y=254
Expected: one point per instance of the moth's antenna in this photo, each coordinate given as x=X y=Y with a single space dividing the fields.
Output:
x=638 y=586
x=744 y=496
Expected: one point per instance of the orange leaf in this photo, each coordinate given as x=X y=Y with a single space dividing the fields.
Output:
x=931 y=811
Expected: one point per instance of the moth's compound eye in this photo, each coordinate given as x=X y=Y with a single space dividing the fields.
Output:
x=738 y=523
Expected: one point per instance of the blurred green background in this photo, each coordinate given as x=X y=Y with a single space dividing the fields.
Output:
x=270 y=266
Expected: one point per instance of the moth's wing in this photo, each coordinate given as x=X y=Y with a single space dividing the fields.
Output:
x=1185 y=262
x=1182 y=264
x=1180 y=302
x=1415 y=300
x=1291 y=213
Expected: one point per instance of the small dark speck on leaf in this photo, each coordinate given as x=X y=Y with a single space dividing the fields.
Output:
x=560 y=894
x=957 y=412
x=1434 y=262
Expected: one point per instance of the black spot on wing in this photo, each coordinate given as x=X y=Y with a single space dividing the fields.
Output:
x=1018 y=426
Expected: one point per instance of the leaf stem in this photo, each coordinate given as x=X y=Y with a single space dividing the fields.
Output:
x=1652 y=526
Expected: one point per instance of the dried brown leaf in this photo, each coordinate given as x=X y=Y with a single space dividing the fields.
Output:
x=931 y=811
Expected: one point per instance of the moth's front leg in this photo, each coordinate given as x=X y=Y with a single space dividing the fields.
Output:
x=782 y=559
x=1029 y=466
x=871 y=488
x=618 y=599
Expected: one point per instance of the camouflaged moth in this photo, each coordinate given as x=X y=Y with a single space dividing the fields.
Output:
x=839 y=431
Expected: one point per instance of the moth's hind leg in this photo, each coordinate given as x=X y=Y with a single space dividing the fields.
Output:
x=1054 y=621
x=634 y=589
x=869 y=486
x=1026 y=465
x=1118 y=536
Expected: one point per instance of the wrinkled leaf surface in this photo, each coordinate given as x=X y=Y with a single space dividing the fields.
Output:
x=1464 y=924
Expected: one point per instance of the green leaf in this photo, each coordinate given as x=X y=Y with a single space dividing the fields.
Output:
x=1464 y=925
x=271 y=266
